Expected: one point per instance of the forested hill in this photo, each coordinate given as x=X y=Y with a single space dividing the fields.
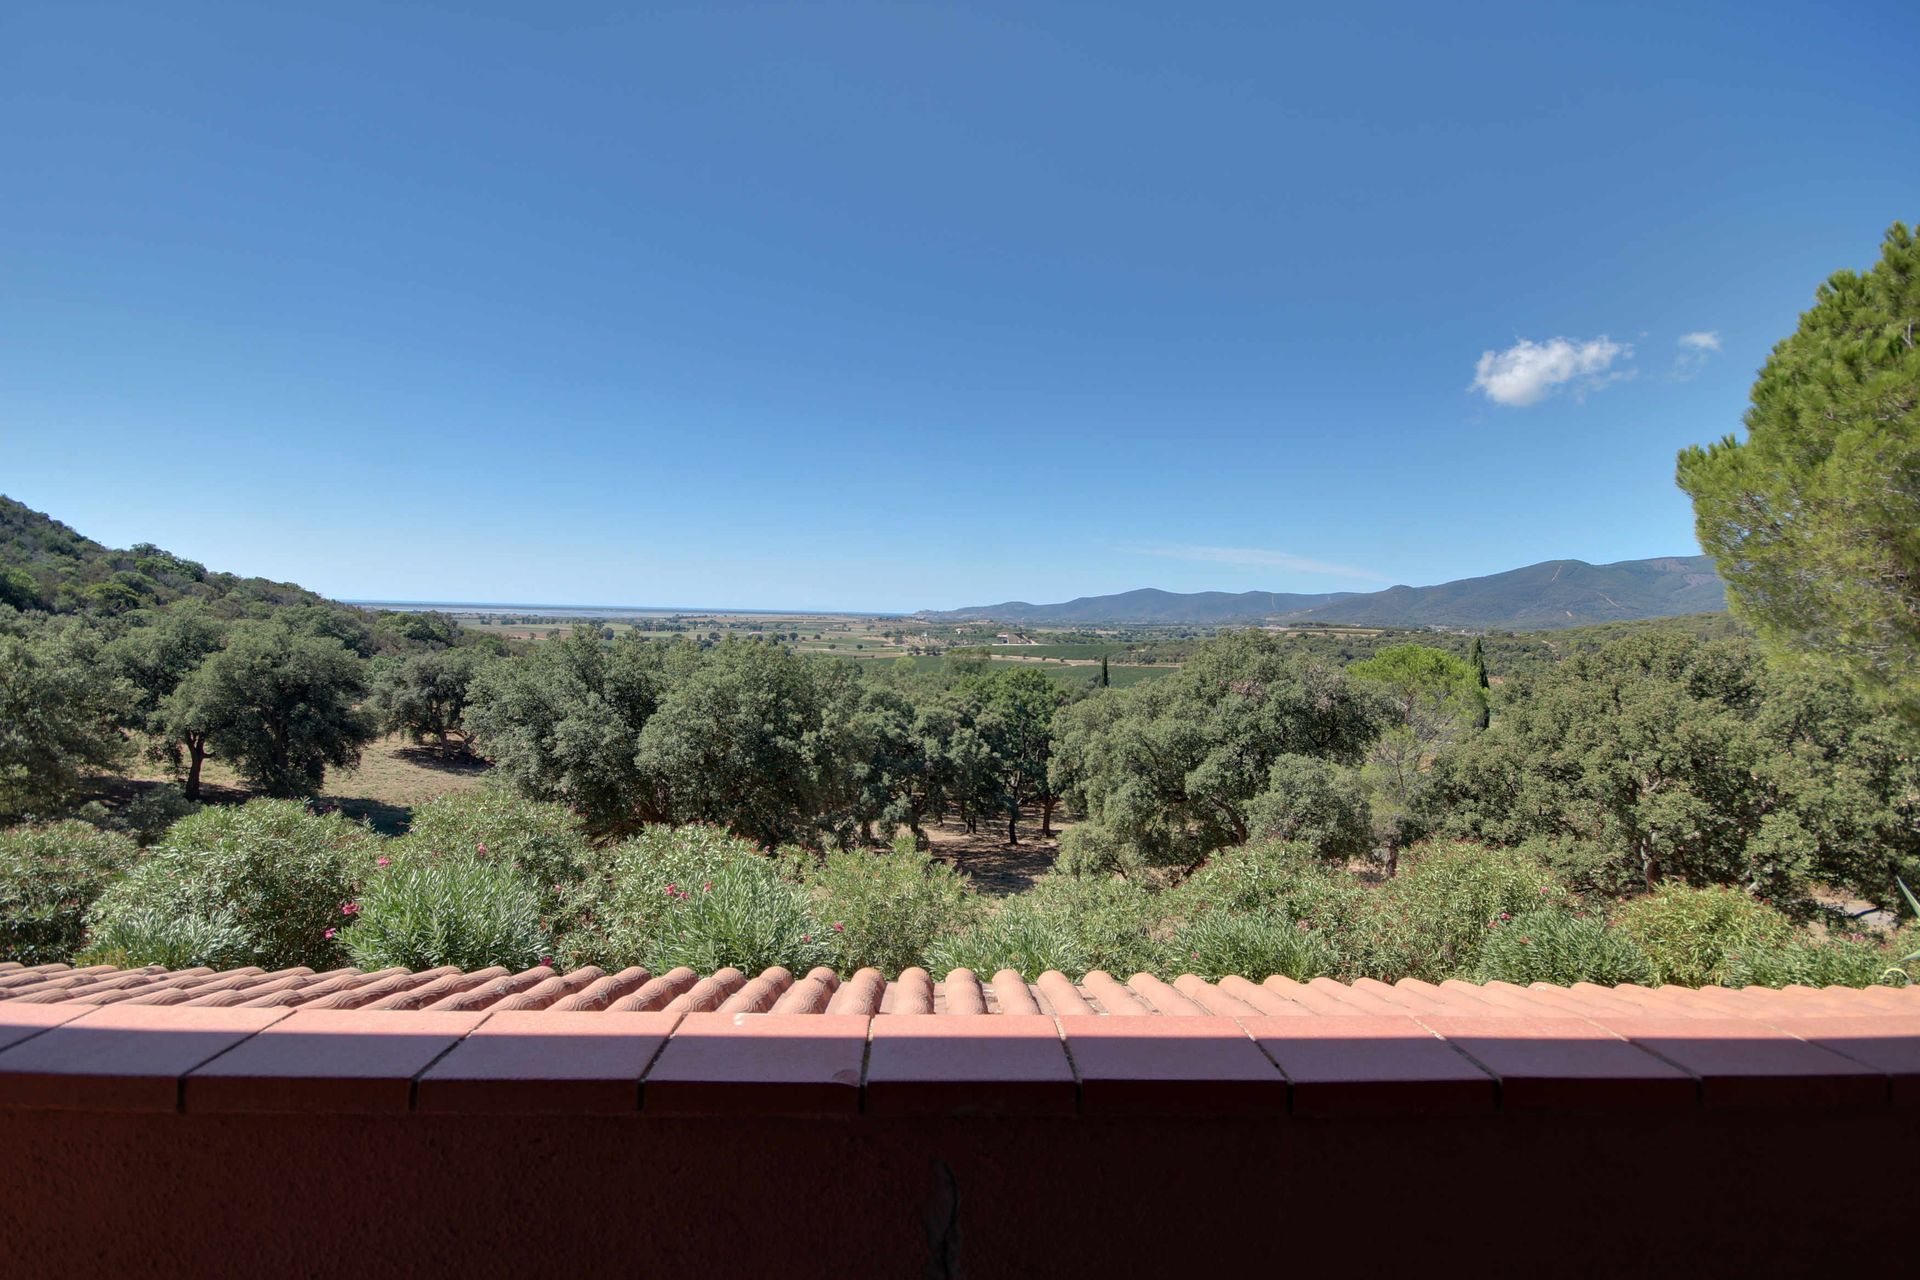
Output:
x=1553 y=593
x=46 y=565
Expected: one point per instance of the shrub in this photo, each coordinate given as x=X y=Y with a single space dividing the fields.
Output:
x=144 y=935
x=462 y=909
x=1089 y=849
x=1284 y=880
x=146 y=817
x=1562 y=948
x=1254 y=946
x=49 y=877
x=693 y=896
x=886 y=909
x=544 y=841
x=1694 y=937
x=1834 y=962
x=1068 y=923
x=280 y=874
x=1431 y=920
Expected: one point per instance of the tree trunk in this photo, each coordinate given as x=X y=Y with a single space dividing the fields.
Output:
x=1046 y=816
x=196 y=752
x=1013 y=826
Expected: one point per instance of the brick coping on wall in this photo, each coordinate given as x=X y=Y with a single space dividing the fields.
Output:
x=680 y=1045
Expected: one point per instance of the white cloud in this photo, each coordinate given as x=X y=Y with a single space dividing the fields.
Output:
x=1695 y=350
x=1528 y=372
x=1256 y=556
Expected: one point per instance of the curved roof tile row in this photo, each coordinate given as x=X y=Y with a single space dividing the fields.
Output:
x=868 y=992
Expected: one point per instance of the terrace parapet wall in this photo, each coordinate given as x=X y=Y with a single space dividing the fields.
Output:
x=201 y=1122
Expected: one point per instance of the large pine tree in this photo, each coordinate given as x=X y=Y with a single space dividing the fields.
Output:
x=1814 y=519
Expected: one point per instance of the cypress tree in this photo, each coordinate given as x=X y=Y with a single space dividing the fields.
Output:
x=1479 y=660
x=1105 y=679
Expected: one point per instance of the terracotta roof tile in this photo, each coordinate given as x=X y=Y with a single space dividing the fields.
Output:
x=343 y=1040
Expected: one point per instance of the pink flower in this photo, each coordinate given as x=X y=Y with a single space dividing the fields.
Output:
x=806 y=937
x=383 y=862
x=546 y=961
x=330 y=933
x=707 y=887
x=481 y=848
x=838 y=927
x=673 y=891
x=349 y=908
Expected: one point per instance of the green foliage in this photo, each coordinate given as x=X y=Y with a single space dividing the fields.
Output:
x=1560 y=947
x=465 y=909
x=1068 y=923
x=886 y=909
x=49 y=877
x=155 y=657
x=279 y=704
x=1814 y=519
x=1323 y=806
x=1431 y=699
x=145 y=818
x=1832 y=962
x=46 y=565
x=1168 y=769
x=1253 y=946
x=1697 y=937
x=544 y=842
x=693 y=896
x=58 y=705
x=1659 y=755
x=560 y=724
x=143 y=935
x=425 y=695
x=1432 y=919
x=1284 y=880
x=279 y=874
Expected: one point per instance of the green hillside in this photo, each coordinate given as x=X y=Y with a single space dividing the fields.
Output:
x=46 y=565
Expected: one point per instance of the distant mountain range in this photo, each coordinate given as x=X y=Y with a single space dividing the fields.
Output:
x=1553 y=593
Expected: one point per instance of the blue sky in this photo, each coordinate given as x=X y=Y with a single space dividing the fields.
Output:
x=895 y=306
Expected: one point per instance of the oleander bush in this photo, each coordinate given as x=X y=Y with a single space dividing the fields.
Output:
x=1253 y=946
x=1285 y=879
x=49 y=877
x=1560 y=947
x=280 y=875
x=545 y=842
x=144 y=935
x=1832 y=962
x=473 y=910
x=1069 y=923
x=887 y=909
x=1697 y=937
x=695 y=896
x=1432 y=919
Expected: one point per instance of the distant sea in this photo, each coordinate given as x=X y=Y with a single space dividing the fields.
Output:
x=599 y=610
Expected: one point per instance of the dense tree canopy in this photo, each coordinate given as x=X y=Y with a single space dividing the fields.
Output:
x=1814 y=519
x=58 y=706
x=1662 y=757
x=424 y=695
x=1166 y=771
x=279 y=704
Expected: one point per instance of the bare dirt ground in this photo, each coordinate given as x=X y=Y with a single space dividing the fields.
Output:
x=394 y=775
x=998 y=869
